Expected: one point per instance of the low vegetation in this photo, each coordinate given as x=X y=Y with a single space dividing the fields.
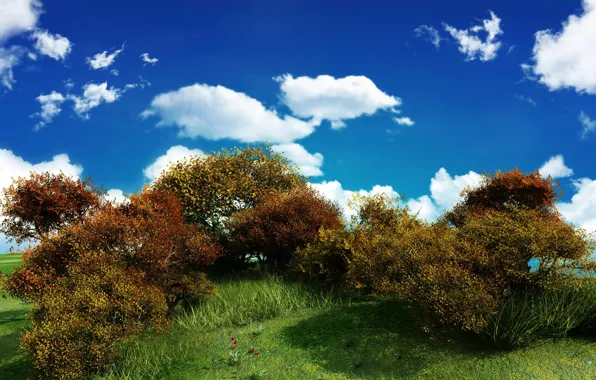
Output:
x=231 y=265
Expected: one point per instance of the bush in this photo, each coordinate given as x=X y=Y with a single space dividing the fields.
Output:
x=282 y=223
x=77 y=321
x=107 y=277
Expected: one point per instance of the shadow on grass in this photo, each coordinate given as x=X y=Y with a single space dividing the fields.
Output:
x=376 y=339
x=14 y=364
x=13 y=316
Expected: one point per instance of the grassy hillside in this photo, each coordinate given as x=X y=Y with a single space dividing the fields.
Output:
x=301 y=334
x=330 y=338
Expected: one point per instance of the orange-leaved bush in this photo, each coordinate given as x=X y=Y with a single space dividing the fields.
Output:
x=281 y=223
x=142 y=248
x=506 y=190
x=35 y=206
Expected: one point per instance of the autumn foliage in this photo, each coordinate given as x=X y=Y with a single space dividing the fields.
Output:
x=281 y=223
x=115 y=272
x=213 y=187
x=461 y=268
x=36 y=206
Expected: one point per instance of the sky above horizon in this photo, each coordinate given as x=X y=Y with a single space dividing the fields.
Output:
x=416 y=99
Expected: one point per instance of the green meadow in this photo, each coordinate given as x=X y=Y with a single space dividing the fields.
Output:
x=304 y=333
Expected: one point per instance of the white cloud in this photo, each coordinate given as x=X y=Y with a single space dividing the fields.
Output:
x=9 y=58
x=18 y=16
x=588 y=123
x=93 y=96
x=334 y=191
x=470 y=43
x=429 y=33
x=404 y=121
x=216 y=112
x=13 y=166
x=53 y=45
x=424 y=207
x=445 y=190
x=581 y=211
x=336 y=100
x=174 y=154
x=114 y=72
x=142 y=84
x=309 y=164
x=32 y=56
x=116 y=197
x=148 y=60
x=103 y=60
x=556 y=168
x=50 y=108
x=566 y=59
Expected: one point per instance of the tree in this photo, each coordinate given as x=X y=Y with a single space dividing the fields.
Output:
x=507 y=189
x=43 y=203
x=214 y=187
x=282 y=223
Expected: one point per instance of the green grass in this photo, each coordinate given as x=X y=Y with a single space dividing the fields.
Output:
x=13 y=364
x=322 y=338
x=304 y=333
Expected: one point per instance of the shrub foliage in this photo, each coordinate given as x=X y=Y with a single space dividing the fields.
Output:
x=36 y=206
x=282 y=223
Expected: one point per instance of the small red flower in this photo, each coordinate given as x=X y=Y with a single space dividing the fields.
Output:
x=257 y=353
x=248 y=315
x=251 y=350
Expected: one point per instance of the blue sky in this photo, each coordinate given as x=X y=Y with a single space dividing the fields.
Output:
x=416 y=99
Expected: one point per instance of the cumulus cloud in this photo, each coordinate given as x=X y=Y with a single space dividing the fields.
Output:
x=424 y=207
x=116 y=197
x=93 y=95
x=566 y=59
x=13 y=166
x=18 y=16
x=404 y=121
x=470 y=42
x=54 y=46
x=309 y=164
x=148 y=60
x=581 y=211
x=429 y=33
x=9 y=58
x=336 y=100
x=445 y=190
x=556 y=168
x=50 y=108
x=216 y=112
x=103 y=59
x=589 y=125
x=174 y=154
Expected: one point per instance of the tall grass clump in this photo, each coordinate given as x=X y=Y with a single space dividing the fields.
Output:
x=241 y=301
x=525 y=317
x=268 y=296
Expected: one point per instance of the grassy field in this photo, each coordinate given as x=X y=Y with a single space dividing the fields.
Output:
x=13 y=364
x=304 y=334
